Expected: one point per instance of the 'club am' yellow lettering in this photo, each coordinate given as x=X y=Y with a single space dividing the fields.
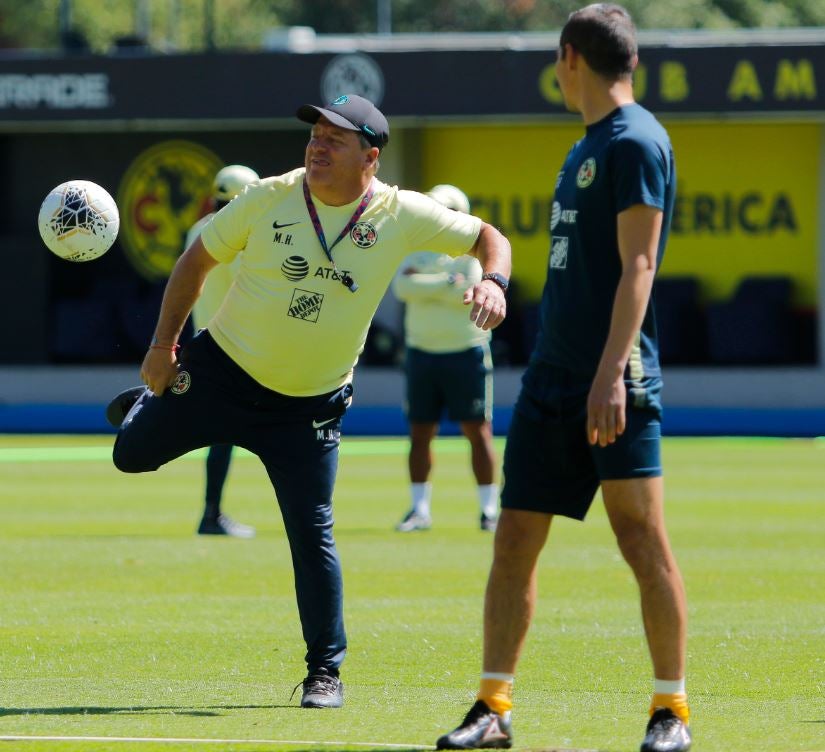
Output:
x=795 y=80
x=640 y=82
x=549 y=87
x=673 y=82
x=744 y=83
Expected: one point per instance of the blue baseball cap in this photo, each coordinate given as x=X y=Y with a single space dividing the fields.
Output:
x=353 y=113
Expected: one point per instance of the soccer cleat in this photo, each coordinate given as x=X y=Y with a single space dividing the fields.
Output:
x=414 y=521
x=223 y=525
x=488 y=523
x=322 y=690
x=480 y=729
x=119 y=407
x=666 y=733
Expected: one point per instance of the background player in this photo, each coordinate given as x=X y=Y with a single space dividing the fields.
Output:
x=228 y=183
x=448 y=366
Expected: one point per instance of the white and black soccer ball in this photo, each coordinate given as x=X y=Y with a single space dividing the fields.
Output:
x=78 y=220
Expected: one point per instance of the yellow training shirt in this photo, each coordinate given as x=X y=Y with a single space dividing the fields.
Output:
x=432 y=285
x=288 y=320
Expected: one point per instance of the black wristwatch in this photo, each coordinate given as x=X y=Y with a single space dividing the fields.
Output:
x=499 y=279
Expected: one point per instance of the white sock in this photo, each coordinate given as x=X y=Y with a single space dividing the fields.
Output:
x=499 y=676
x=488 y=499
x=668 y=687
x=421 y=493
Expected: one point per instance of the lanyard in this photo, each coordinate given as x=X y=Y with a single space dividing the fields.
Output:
x=348 y=281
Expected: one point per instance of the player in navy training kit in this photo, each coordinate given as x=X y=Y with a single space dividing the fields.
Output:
x=589 y=413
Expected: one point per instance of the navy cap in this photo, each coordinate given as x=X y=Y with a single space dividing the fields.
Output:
x=353 y=113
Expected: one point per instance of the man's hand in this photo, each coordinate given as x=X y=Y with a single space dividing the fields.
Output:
x=489 y=304
x=606 y=410
x=159 y=369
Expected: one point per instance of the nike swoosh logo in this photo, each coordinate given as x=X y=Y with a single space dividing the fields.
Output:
x=319 y=423
x=276 y=226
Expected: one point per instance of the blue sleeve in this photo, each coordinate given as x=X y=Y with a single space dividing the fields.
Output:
x=640 y=172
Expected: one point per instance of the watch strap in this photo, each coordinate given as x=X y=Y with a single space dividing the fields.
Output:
x=498 y=279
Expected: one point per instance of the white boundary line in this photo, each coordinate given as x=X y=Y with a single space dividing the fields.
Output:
x=182 y=740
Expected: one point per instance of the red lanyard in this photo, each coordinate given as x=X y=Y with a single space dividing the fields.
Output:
x=348 y=281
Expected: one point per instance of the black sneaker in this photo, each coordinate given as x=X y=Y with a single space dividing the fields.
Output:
x=480 y=729
x=322 y=690
x=223 y=525
x=119 y=407
x=666 y=733
x=488 y=523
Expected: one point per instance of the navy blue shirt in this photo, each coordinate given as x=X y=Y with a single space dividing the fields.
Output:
x=623 y=160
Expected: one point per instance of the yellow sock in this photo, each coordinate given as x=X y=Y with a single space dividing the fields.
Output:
x=677 y=702
x=497 y=693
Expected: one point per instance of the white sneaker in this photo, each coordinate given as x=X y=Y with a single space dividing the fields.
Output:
x=414 y=521
x=488 y=523
x=224 y=525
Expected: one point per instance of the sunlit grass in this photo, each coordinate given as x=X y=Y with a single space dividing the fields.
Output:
x=117 y=621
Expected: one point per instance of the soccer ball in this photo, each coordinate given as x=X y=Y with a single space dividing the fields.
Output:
x=78 y=220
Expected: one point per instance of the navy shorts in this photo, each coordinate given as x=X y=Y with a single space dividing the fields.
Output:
x=459 y=382
x=550 y=467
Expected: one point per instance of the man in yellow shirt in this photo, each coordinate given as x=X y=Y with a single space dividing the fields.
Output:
x=273 y=371
x=228 y=183
x=448 y=367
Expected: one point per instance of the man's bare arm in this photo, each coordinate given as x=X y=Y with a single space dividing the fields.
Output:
x=182 y=290
x=489 y=303
x=639 y=229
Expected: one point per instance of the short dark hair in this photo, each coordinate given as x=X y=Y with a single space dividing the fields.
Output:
x=604 y=35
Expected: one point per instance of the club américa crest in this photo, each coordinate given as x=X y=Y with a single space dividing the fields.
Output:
x=181 y=383
x=363 y=234
x=162 y=194
x=587 y=173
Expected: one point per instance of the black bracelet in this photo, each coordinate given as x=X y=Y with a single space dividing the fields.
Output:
x=498 y=279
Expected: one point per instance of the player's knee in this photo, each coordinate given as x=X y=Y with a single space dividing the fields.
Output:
x=508 y=546
x=127 y=460
x=641 y=547
x=517 y=544
x=477 y=431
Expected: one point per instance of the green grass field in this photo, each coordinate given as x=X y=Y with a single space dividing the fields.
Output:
x=117 y=621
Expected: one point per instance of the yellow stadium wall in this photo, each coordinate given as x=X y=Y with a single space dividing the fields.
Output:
x=747 y=195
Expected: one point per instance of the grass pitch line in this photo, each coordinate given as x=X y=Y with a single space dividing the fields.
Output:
x=356 y=448
x=183 y=740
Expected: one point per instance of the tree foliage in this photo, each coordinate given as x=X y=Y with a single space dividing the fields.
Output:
x=185 y=24
x=173 y=24
x=359 y=16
